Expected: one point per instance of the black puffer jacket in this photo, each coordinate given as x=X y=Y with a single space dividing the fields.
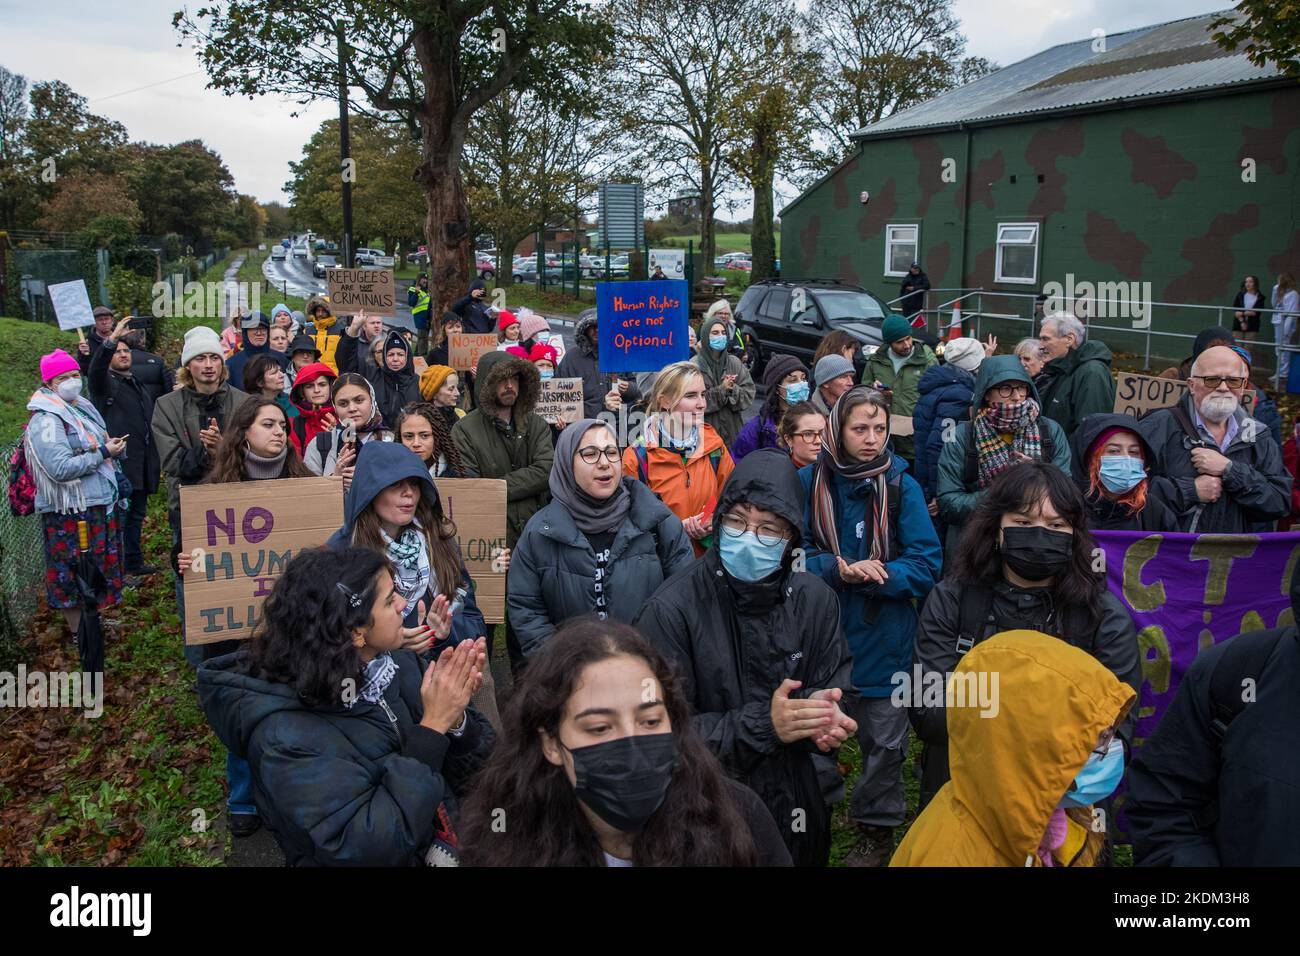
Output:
x=1112 y=641
x=343 y=787
x=1106 y=514
x=734 y=642
x=553 y=567
x=393 y=390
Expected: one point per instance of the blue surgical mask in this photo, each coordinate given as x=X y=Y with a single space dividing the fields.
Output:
x=546 y=373
x=1098 y=778
x=717 y=342
x=797 y=392
x=1121 y=473
x=748 y=559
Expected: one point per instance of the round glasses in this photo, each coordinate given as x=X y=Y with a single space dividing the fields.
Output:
x=591 y=454
x=768 y=534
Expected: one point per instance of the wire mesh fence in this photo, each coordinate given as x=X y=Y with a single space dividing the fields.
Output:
x=22 y=568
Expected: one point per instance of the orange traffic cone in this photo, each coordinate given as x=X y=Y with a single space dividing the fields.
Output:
x=954 y=325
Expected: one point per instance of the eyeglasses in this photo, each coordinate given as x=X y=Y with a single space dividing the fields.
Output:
x=810 y=436
x=768 y=534
x=591 y=454
x=1214 y=381
x=1006 y=391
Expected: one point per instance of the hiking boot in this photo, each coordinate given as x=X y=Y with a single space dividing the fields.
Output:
x=874 y=847
x=244 y=824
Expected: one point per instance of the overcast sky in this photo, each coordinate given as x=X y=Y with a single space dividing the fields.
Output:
x=108 y=51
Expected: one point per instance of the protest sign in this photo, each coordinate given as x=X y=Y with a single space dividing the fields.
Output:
x=477 y=506
x=561 y=396
x=356 y=290
x=672 y=260
x=642 y=325
x=900 y=425
x=419 y=365
x=1136 y=394
x=464 y=349
x=1188 y=592
x=71 y=304
x=241 y=535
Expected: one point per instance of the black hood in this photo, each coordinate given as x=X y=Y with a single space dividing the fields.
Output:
x=766 y=479
x=1086 y=435
x=586 y=320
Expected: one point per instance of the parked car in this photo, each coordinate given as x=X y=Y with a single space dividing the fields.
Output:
x=764 y=317
x=485 y=267
x=724 y=261
x=741 y=265
x=365 y=257
x=418 y=258
x=322 y=263
x=279 y=253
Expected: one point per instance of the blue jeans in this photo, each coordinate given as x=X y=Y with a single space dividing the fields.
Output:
x=240 y=777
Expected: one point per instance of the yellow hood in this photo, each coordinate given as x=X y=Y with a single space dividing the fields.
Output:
x=1010 y=770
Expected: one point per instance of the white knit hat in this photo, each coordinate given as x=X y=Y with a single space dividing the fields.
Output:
x=201 y=340
x=965 y=353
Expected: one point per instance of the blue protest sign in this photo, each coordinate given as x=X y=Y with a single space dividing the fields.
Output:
x=642 y=325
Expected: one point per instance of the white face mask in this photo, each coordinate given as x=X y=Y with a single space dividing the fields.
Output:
x=70 y=389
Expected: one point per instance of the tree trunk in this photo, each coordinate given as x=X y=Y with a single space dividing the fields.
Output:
x=762 y=239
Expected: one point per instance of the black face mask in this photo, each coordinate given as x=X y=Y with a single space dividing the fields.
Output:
x=1037 y=554
x=625 y=781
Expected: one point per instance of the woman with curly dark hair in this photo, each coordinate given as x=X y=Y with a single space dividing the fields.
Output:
x=599 y=765
x=424 y=430
x=1026 y=561
x=357 y=748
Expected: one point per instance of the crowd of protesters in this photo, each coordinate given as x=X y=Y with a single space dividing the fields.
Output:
x=701 y=613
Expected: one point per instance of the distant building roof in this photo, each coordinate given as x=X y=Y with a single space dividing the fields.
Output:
x=1173 y=57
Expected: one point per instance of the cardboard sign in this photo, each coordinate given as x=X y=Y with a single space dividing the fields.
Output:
x=1136 y=394
x=561 y=396
x=71 y=304
x=420 y=366
x=478 y=508
x=354 y=290
x=241 y=536
x=642 y=325
x=900 y=425
x=464 y=349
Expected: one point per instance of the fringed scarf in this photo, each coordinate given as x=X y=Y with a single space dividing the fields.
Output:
x=410 y=556
x=1020 y=419
x=834 y=461
x=82 y=419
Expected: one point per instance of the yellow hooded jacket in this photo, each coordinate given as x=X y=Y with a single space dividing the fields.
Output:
x=1009 y=771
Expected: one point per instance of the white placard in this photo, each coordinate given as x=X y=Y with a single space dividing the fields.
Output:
x=71 y=305
x=673 y=261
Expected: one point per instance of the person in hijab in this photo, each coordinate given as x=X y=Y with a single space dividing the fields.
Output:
x=1111 y=464
x=1031 y=758
x=392 y=378
x=357 y=753
x=785 y=382
x=872 y=541
x=603 y=544
x=393 y=506
x=729 y=389
x=334 y=452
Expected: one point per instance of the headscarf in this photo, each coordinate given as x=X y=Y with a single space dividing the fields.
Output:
x=591 y=515
x=833 y=460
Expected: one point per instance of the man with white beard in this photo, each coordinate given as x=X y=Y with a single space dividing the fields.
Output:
x=1226 y=466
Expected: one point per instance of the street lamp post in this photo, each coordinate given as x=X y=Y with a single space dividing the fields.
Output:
x=349 y=254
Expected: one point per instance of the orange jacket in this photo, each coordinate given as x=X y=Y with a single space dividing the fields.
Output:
x=686 y=486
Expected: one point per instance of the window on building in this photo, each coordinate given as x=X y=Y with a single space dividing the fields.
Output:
x=1017 y=258
x=900 y=248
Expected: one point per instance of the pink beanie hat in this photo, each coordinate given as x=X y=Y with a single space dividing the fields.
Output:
x=56 y=363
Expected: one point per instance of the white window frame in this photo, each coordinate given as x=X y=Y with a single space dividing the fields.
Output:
x=1000 y=242
x=890 y=242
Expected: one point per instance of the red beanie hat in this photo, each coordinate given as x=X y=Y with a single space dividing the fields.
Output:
x=505 y=319
x=542 y=351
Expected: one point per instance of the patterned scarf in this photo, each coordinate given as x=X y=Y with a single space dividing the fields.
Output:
x=379 y=674
x=1020 y=419
x=834 y=460
x=410 y=558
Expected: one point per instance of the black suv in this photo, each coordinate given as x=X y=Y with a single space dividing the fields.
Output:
x=764 y=317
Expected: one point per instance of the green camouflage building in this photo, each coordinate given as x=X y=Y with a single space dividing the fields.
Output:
x=1147 y=156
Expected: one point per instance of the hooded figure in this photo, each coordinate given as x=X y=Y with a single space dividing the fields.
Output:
x=581 y=361
x=1015 y=754
x=945 y=395
x=518 y=450
x=727 y=406
x=473 y=311
x=969 y=462
x=393 y=389
x=237 y=362
x=1145 y=505
x=583 y=555
x=912 y=291
x=735 y=641
x=322 y=329
x=310 y=421
x=379 y=465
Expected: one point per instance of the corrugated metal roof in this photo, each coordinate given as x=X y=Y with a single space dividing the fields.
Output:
x=1150 y=61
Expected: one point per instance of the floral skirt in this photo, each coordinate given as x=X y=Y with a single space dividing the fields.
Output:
x=63 y=554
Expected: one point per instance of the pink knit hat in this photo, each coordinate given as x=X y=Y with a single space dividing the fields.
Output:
x=56 y=363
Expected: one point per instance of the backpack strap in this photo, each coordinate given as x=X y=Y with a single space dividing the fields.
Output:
x=895 y=510
x=715 y=457
x=975 y=611
x=642 y=464
x=1180 y=416
x=323 y=442
x=1244 y=657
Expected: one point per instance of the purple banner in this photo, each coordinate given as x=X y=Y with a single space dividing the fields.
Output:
x=1186 y=592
